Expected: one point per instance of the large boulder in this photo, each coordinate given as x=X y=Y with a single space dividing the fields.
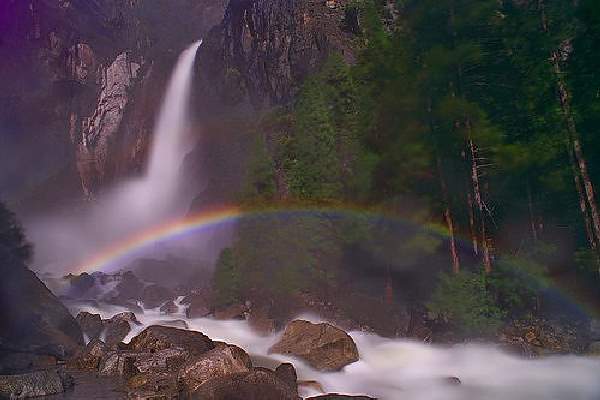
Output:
x=34 y=384
x=221 y=361
x=32 y=319
x=115 y=330
x=90 y=357
x=155 y=338
x=322 y=346
x=155 y=295
x=258 y=384
x=198 y=306
x=90 y=324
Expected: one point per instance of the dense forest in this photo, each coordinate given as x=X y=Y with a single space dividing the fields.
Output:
x=472 y=124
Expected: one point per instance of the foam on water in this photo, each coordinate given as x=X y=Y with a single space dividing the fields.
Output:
x=392 y=369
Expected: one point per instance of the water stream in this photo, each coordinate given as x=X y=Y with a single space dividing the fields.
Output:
x=393 y=369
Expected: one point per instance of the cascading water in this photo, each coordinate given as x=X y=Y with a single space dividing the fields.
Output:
x=133 y=205
x=158 y=192
x=393 y=369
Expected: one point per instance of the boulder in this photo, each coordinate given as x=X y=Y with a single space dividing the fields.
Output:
x=155 y=338
x=32 y=319
x=287 y=373
x=234 y=311
x=221 y=361
x=322 y=346
x=260 y=322
x=90 y=324
x=126 y=316
x=169 y=308
x=91 y=356
x=155 y=295
x=258 y=384
x=34 y=384
x=115 y=330
x=118 y=364
x=198 y=306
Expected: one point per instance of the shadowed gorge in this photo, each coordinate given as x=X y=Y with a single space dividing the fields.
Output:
x=299 y=199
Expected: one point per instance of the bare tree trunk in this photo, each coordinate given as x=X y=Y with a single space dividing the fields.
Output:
x=448 y=218
x=487 y=259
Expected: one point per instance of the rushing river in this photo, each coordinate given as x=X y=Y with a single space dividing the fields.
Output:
x=393 y=369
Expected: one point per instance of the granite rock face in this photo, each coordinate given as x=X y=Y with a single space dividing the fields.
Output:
x=82 y=82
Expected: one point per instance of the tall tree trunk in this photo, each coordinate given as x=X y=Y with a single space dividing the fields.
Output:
x=448 y=218
x=583 y=183
x=485 y=246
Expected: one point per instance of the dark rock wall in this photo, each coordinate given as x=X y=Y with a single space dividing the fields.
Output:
x=81 y=82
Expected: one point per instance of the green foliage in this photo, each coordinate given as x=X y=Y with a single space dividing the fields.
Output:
x=260 y=182
x=227 y=278
x=464 y=299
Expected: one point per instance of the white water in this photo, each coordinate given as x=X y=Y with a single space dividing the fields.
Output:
x=134 y=205
x=397 y=369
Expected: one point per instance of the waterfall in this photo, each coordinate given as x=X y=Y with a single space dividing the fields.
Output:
x=135 y=204
x=171 y=127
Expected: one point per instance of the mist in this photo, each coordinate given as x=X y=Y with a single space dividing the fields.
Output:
x=65 y=239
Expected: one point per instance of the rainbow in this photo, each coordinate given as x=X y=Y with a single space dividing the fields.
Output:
x=171 y=229
x=229 y=214
x=215 y=217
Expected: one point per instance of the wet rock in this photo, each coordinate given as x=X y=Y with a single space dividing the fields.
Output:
x=221 y=361
x=258 y=384
x=169 y=308
x=235 y=311
x=452 y=380
x=198 y=306
x=32 y=319
x=91 y=356
x=261 y=323
x=34 y=384
x=174 y=323
x=91 y=324
x=311 y=384
x=155 y=295
x=287 y=373
x=118 y=364
x=155 y=338
x=323 y=346
x=115 y=330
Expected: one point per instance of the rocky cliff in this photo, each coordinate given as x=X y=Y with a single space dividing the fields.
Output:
x=81 y=82
x=263 y=49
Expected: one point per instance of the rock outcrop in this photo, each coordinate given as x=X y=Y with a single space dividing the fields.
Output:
x=82 y=81
x=35 y=384
x=322 y=346
x=164 y=362
x=32 y=319
x=263 y=49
